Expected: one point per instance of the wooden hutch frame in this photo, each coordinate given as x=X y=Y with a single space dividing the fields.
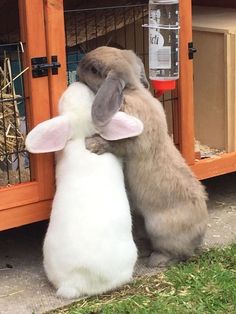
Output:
x=30 y=202
x=39 y=21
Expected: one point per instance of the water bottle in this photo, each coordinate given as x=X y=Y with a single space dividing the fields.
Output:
x=163 y=44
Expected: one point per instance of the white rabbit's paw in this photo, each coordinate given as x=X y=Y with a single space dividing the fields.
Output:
x=68 y=292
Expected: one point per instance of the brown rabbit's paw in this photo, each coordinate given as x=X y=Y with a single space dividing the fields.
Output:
x=159 y=260
x=96 y=145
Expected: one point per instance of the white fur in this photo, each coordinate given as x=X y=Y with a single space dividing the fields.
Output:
x=88 y=247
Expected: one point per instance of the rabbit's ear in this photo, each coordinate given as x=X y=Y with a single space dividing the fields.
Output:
x=143 y=77
x=121 y=126
x=49 y=136
x=108 y=99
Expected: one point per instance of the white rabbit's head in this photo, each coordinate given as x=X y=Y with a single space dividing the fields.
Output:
x=75 y=121
x=76 y=104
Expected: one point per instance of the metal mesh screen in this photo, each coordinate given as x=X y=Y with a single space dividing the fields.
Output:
x=14 y=160
x=116 y=26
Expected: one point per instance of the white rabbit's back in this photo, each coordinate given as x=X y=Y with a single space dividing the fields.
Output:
x=90 y=223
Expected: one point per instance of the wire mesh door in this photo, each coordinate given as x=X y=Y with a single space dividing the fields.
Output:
x=14 y=160
x=26 y=182
x=89 y=26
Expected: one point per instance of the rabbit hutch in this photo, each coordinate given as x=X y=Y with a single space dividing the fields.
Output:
x=41 y=44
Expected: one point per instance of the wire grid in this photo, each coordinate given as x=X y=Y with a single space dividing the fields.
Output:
x=14 y=159
x=115 y=26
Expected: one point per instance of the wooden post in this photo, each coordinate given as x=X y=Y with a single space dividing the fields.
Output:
x=186 y=111
x=55 y=38
x=38 y=109
x=29 y=202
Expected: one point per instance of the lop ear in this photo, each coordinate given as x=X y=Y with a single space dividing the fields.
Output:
x=143 y=77
x=108 y=99
x=49 y=136
x=121 y=126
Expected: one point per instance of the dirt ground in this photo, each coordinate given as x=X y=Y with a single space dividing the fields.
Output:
x=24 y=288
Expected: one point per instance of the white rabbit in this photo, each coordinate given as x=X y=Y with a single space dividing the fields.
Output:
x=88 y=248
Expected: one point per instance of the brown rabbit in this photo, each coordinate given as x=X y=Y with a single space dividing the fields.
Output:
x=161 y=186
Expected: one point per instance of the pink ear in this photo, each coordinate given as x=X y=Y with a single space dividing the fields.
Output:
x=49 y=136
x=121 y=126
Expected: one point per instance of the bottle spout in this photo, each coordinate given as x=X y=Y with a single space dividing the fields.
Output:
x=163 y=86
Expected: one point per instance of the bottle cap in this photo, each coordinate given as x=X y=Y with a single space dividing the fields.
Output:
x=164 y=85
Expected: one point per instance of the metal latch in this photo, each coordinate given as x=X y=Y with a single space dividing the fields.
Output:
x=191 y=50
x=40 y=66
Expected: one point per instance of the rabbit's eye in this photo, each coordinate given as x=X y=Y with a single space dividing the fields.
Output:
x=94 y=70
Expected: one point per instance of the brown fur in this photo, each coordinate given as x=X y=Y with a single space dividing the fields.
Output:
x=161 y=186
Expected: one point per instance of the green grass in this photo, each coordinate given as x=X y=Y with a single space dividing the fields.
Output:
x=205 y=284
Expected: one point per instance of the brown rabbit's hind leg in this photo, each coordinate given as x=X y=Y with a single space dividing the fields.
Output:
x=173 y=249
x=140 y=236
x=158 y=259
x=175 y=234
x=173 y=254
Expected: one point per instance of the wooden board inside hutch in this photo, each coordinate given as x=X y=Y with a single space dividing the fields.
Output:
x=214 y=36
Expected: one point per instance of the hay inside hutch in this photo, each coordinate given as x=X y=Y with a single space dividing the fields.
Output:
x=14 y=159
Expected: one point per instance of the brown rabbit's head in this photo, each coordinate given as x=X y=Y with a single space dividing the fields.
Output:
x=107 y=71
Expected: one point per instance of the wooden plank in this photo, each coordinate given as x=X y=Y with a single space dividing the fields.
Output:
x=16 y=201
x=18 y=216
x=20 y=194
x=230 y=92
x=186 y=119
x=175 y=117
x=210 y=103
x=55 y=37
x=216 y=3
x=226 y=163
x=212 y=167
x=216 y=20
x=38 y=107
x=33 y=34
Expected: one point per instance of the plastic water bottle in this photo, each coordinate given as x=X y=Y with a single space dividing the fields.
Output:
x=163 y=44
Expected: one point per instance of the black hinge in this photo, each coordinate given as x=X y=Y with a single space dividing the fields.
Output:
x=191 y=50
x=40 y=66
